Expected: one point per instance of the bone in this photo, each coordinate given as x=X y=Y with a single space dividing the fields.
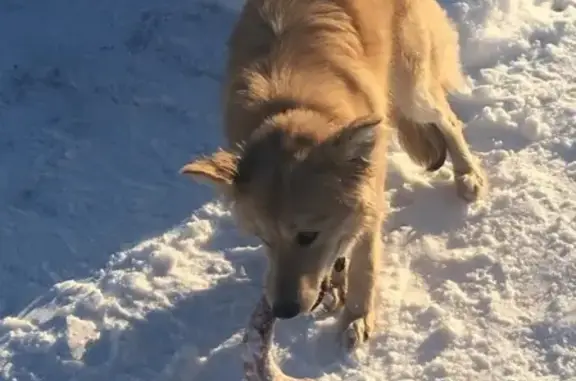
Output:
x=257 y=341
x=258 y=362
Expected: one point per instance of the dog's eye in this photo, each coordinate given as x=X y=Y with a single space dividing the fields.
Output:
x=306 y=238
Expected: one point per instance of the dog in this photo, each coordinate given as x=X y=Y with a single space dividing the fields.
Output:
x=313 y=91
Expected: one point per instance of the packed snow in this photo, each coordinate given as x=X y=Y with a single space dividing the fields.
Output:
x=114 y=267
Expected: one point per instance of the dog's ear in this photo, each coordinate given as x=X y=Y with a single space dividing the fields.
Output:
x=357 y=140
x=218 y=169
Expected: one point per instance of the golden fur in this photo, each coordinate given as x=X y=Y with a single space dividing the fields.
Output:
x=313 y=90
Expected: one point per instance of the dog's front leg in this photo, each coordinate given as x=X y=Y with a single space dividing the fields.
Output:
x=357 y=321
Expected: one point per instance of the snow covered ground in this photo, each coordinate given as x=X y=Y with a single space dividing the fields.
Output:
x=113 y=267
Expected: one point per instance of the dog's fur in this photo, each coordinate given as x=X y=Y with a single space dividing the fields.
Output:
x=313 y=90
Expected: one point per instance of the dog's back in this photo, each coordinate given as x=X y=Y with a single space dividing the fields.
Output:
x=329 y=55
x=347 y=58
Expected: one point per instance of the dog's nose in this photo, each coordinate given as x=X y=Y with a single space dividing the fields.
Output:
x=286 y=310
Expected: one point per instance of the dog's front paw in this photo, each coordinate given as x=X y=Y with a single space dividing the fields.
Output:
x=333 y=301
x=471 y=185
x=355 y=331
x=334 y=289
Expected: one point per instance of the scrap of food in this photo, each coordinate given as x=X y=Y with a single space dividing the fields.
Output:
x=257 y=342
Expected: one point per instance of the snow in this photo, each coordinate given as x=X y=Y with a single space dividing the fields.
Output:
x=113 y=267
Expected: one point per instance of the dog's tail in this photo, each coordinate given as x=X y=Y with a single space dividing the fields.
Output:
x=424 y=143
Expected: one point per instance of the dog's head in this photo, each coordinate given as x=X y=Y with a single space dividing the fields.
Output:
x=302 y=194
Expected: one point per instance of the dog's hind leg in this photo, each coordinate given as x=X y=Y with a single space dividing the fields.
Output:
x=420 y=96
x=424 y=143
x=471 y=182
x=428 y=105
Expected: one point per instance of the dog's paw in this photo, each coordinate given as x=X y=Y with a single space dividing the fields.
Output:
x=332 y=302
x=355 y=332
x=472 y=185
x=335 y=290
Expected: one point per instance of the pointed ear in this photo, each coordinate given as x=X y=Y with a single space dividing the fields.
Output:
x=218 y=169
x=358 y=139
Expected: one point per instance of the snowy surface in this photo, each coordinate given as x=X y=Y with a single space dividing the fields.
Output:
x=113 y=267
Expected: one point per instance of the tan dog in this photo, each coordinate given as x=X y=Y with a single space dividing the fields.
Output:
x=313 y=90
